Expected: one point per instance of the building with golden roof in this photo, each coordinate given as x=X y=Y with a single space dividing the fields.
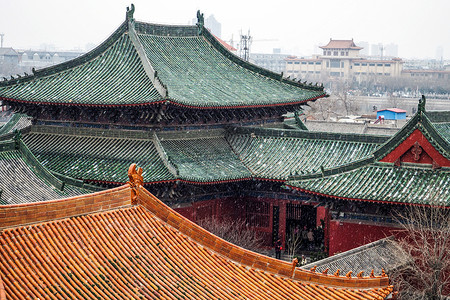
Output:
x=125 y=243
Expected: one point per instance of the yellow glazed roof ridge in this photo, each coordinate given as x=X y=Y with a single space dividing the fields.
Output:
x=48 y=202
x=13 y=215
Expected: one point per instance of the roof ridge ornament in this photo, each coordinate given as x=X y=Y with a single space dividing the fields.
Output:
x=421 y=105
x=136 y=181
x=130 y=13
x=200 y=22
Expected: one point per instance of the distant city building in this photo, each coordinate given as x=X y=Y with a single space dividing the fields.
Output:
x=391 y=50
x=9 y=60
x=376 y=49
x=379 y=50
x=341 y=59
x=41 y=59
x=365 y=48
x=14 y=62
x=214 y=26
x=439 y=53
x=427 y=74
x=275 y=62
x=426 y=64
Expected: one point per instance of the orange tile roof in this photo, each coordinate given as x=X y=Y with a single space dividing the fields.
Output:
x=147 y=251
x=2 y=290
x=225 y=44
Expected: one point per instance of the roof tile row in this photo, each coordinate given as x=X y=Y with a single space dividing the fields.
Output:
x=21 y=183
x=277 y=157
x=378 y=182
x=114 y=77
x=150 y=251
x=198 y=75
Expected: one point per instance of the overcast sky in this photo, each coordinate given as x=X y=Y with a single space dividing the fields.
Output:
x=418 y=27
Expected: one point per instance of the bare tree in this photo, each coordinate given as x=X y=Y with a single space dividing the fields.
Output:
x=234 y=231
x=322 y=109
x=345 y=101
x=293 y=241
x=425 y=239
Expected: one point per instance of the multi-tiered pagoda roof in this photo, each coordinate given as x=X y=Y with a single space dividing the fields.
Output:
x=156 y=74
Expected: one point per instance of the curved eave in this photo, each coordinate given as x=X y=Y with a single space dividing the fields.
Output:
x=122 y=183
x=214 y=181
x=362 y=200
x=81 y=104
x=248 y=106
x=174 y=102
x=219 y=181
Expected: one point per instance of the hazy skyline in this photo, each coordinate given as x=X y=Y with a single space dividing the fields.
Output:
x=417 y=27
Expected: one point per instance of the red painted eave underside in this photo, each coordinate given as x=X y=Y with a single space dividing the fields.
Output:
x=166 y=101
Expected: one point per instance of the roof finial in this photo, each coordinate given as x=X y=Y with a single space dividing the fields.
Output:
x=421 y=105
x=136 y=180
x=200 y=22
x=130 y=12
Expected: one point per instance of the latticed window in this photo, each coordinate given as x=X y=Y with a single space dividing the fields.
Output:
x=258 y=214
x=293 y=211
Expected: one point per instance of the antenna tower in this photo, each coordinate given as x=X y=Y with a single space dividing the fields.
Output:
x=1 y=39
x=246 y=41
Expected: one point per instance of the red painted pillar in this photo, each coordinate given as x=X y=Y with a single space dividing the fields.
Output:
x=321 y=214
x=327 y=231
x=282 y=225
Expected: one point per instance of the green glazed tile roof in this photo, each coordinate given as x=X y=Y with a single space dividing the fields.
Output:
x=144 y=63
x=444 y=130
x=97 y=158
x=378 y=255
x=278 y=157
x=383 y=183
x=20 y=184
x=205 y=159
x=197 y=74
x=436 y=133
x=16 y=122
x=115 y=76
